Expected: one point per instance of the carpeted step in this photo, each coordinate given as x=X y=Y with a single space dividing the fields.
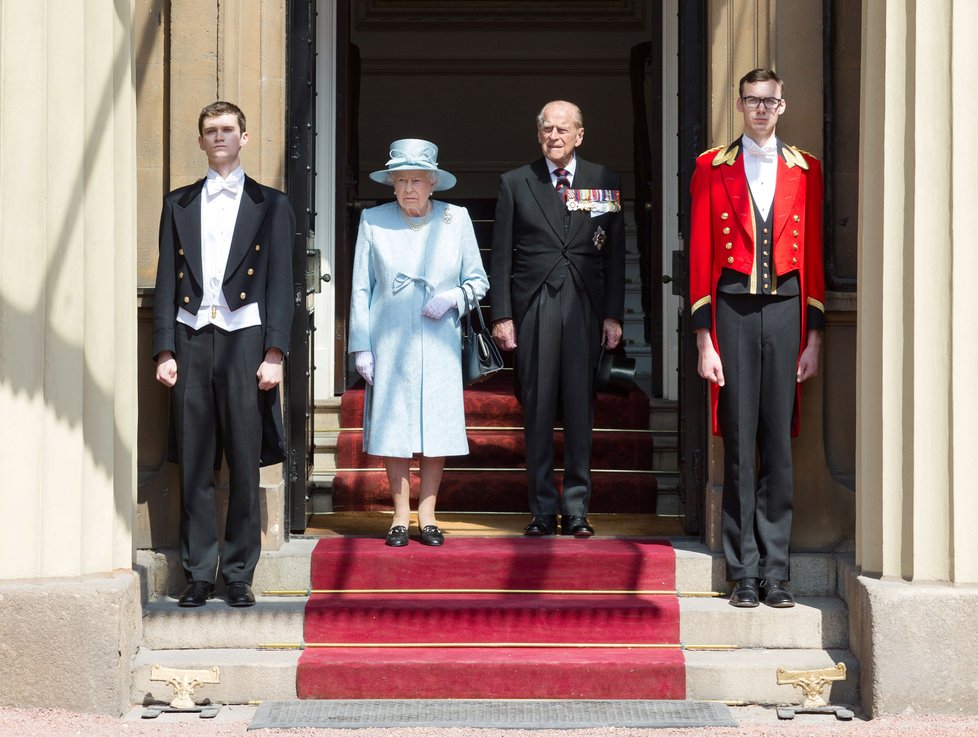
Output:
x=491 y=673
x=496 y=639
x=493 y=491
x=491 y=618
x=507 y=449
x=345 y=563
x=493 y=404
x=496 y=444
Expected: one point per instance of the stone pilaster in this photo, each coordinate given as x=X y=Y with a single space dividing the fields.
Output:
x=67 y=349
x=916 y=548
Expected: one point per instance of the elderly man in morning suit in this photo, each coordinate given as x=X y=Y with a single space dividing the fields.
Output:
x=558 y=282
x=757 y=290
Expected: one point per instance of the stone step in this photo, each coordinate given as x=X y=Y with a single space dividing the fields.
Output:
x=326 y=416
x=247 y=675
x=664 y=414
x=742 y=676
x=813 y=623
x=217 y=626
x=285 y=568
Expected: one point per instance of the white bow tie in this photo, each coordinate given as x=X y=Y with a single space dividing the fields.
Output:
x=216 y=186
x=767 y=154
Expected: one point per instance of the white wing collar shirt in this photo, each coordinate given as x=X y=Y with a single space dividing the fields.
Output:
x=219 y=205
x=761 y=169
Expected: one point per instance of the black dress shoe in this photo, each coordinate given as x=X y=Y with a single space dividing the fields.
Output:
x=540 y=525
x=773 y=593
x=431 y=535
x=576 y=526
x=745 y=593
x=397 y=536
x=196 y=594
x=240 y=594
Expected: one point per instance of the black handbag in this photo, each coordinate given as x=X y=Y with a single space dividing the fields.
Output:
x=480 y=356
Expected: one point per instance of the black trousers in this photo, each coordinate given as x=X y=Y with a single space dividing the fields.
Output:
x=216 y=404
x=758 y=337
x=556 y=355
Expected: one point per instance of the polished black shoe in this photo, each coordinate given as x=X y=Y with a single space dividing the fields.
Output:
x=745 y=593
x=576 y=526
x=196 y=594
x=240 y=594
x=773 y=593
x=540 y=525
x=397 y=536
x=431 y=535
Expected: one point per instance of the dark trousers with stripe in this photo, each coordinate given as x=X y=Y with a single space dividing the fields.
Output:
x=556 y=355
x=758 y=338
x=216 y=404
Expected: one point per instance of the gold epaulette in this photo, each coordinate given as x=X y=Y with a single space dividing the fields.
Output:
x=794 y=156
x=710 y=151
x=727 y=155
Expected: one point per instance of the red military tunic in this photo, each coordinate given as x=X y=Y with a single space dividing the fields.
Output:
x=722 y=234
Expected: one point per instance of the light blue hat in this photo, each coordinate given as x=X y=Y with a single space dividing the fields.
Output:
x=415 y=154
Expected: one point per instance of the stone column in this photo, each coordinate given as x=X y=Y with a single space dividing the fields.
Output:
x=912 y=593
x=69 y=601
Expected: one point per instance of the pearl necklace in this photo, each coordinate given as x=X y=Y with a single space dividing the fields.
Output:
x=425 y=219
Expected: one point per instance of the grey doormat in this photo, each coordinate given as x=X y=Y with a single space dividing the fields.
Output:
x=514 y=714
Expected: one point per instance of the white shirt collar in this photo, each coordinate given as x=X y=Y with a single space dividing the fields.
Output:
x=571 y=167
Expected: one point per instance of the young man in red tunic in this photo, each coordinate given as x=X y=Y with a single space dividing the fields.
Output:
x=757 y=289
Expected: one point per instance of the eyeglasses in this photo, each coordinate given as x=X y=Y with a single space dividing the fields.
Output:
x=770 y=103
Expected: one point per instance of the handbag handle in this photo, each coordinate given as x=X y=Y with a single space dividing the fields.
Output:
x=470 y=307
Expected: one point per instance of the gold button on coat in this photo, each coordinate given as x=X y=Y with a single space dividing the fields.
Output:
x=724 y=215
x=186 y=300
x=258 y=245
x=726 y=231
x=242 y=295
x=251 y=272
x=180 y=275
x=730 y=259
x=794 y=261
x=180 y=252
x=794 y=233
x=728 y=245
x=794 y=246
x=797 y=218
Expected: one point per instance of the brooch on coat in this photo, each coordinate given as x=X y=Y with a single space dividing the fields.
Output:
x=599 y=238
x=446 y=217
x=593 y=200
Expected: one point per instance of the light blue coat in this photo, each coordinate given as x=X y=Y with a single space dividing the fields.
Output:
x=415 y=403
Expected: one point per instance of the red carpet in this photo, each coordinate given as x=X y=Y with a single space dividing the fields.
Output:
x=492 y=623
x=490 y=478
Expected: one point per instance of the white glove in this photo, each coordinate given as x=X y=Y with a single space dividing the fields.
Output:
x=365 y=366
x=441 y=303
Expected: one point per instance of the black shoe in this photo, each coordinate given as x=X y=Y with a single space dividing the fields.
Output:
x=196 y=594
x=431 y=535
x=540 y=525
x=576 y=526
x=240 y=594
x=397 y=536
x=773 y=593
x=745 y=593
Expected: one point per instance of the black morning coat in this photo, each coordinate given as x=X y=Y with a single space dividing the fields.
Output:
x=528 y=242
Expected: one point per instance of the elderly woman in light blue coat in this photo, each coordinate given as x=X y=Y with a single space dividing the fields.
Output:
x=416 y=271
